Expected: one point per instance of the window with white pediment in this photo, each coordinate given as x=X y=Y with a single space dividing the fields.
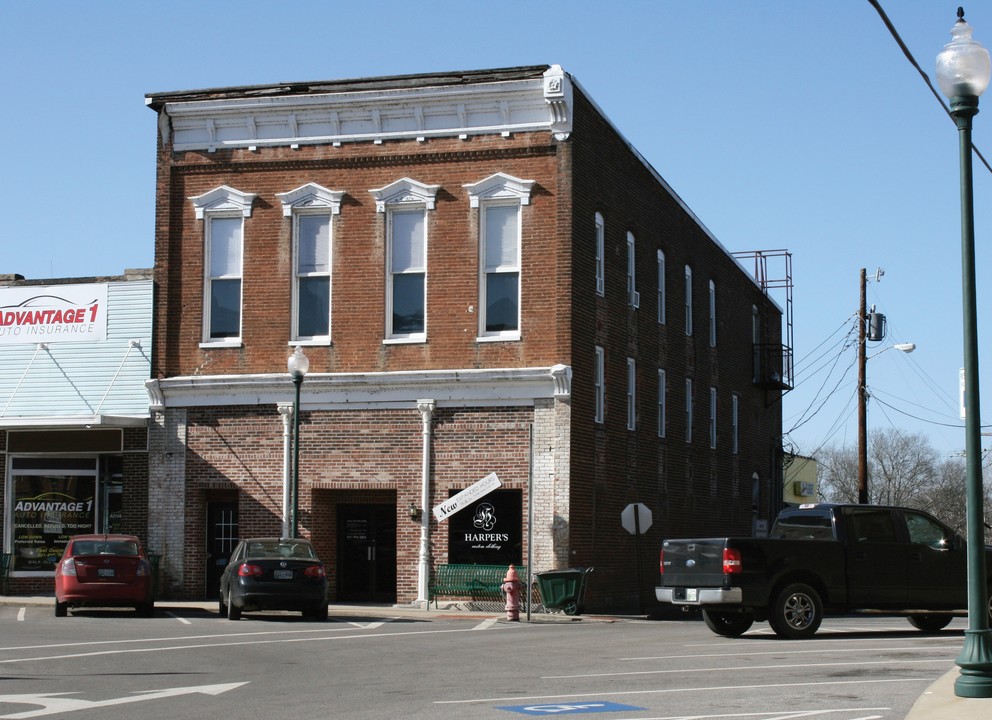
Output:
x=406 y=203
x=223 y=211
x=499 y=199
x=311 y=208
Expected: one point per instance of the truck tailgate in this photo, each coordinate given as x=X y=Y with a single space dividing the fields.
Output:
x=693 y=562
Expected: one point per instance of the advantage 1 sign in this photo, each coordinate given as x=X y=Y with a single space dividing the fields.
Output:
x=466 y=497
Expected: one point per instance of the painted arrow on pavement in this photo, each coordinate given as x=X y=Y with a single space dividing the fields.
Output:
x=53 y=703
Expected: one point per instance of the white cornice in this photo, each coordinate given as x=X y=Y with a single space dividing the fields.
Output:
x=543 y=103
x=508 y=386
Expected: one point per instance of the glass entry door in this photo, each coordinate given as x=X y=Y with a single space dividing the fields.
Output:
x=367 y=553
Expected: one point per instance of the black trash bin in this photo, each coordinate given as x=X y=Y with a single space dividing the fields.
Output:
x=563 y=589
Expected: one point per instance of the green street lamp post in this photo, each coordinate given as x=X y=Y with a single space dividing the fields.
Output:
x=297 y=364
x=963 y=70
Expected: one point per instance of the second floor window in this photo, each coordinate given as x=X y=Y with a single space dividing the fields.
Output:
x=501 y=270
x=661 y=287
x=688 y=410
x=734 y=423
x=662 y=402
x=688 y=300
x=633 y=297
x=600 y=255
x=407 y=273
x=712 y=314
x=313 y=277
x=223 y=282
x=599 y=385
x=631 y=394
x=712 y=417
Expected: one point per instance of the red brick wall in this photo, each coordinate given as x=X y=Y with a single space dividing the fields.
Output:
x=358 y=256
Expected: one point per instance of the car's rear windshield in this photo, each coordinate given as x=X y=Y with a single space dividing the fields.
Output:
x=286 y=549
x=105 y=547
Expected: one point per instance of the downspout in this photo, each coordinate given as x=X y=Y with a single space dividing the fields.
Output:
x=286 y=410
x=426 y=408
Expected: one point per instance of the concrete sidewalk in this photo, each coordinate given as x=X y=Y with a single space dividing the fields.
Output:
x=939 y=702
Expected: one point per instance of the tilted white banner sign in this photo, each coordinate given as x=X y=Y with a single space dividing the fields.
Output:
x=466 y=497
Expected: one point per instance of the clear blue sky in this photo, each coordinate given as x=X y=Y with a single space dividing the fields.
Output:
x=791 y=125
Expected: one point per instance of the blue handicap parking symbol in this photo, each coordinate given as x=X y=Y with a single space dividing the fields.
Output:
x=568 y=708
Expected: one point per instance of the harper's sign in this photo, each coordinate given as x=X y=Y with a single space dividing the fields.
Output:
x=53 y=313
x=466 y=497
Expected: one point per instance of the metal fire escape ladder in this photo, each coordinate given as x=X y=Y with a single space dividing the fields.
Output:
x=781 y=283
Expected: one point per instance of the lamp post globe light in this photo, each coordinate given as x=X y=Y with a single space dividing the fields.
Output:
x=963 y=70
x=297 y=364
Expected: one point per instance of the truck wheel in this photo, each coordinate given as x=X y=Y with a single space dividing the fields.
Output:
x=796 y=612
x=929 y=623
x=728 y=624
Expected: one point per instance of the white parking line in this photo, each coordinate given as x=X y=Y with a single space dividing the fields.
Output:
x=21 y=613
x=943 y=660
x=181 y=619
x=486 y=624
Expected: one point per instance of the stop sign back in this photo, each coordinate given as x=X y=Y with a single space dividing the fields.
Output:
x=636 y=517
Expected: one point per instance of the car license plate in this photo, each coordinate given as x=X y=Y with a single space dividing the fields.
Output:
x=282 y=574
x=105 y=572
x=691 y=595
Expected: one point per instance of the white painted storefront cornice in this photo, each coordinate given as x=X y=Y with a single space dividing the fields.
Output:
x=252 y=119
x=356 y=391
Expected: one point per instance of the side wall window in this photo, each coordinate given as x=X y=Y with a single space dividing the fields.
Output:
x=600 y=255
x=633 y=297
x=688 y=300
x=599 y=384
x=735 y=423
x=712 y=417
x=688 y=410
x=631 y=394
x=661 y=287
x=662 y=402
x=712 y=314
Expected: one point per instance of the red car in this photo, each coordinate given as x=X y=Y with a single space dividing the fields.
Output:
x=104 y=571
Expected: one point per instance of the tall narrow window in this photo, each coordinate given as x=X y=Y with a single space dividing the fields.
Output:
x=662 y=403
x=311 y=208
x=712 y=417
x=406 y=203
x=661 y=287
x=712 y=314
x=756 y=342
x=734 y=424
x=313 y=277
x=501 y=270
x=688 y=300
x=599 y=384
x=223 y=211
x=224 y=240
x=407 y=288
x=600 y=255
x=631 y=394
x=688 y=410
x=633 y=297
x=500 y=199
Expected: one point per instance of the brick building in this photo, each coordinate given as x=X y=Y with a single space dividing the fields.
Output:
x=485 y=278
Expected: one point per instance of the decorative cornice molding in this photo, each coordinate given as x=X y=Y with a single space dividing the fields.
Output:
x=403 y=191
x=476 y=107
x=223 y=199
x=309 y=197
x=499 y=186
x=458 y=388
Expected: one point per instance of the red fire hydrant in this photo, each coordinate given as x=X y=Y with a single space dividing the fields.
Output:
x=511 y=586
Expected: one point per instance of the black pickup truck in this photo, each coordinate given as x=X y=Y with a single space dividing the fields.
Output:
x=822 y=558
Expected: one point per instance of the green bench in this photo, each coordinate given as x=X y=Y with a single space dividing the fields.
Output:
x=478 y=582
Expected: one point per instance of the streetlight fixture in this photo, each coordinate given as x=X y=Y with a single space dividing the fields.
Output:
x=963 y=69
x=297 y=364
x=863 y=411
